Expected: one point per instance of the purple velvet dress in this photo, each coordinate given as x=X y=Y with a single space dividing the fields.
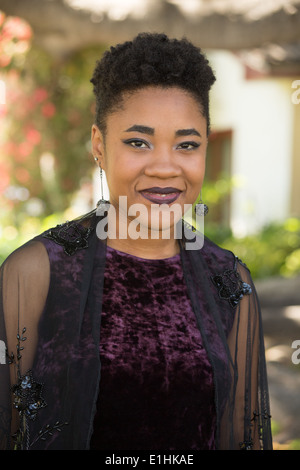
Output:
x=156 y=387
x=115 y=352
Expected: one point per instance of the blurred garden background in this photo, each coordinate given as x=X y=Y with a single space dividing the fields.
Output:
x=48 y=50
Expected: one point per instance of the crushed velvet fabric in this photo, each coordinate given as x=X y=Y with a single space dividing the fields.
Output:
x=156 y=388
x=202 y=355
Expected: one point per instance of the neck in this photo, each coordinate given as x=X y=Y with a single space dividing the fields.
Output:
x=148 y=249
x=138 y=240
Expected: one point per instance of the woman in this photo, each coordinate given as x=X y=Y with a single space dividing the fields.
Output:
x=120 y=333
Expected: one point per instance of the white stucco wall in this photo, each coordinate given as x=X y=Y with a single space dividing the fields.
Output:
x=260 y=114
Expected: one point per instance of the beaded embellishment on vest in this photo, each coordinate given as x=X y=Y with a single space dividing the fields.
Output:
x=231 y=287
x=71 y=235
x=28 y=400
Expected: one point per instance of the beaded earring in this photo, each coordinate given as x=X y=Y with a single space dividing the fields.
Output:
x=102 y=204
x=201 y=208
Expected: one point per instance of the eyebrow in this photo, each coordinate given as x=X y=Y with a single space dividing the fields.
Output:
x=182 y=132
x=150 y=130
x=142 y=129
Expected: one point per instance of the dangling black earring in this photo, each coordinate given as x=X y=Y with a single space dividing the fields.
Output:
x=201 y=208
x=102 y=204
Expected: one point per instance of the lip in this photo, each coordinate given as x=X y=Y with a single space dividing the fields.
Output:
x=159 y=195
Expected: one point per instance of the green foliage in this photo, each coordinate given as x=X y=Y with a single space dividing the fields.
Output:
x=12 y=237
x=294 y=445
x=45 y=124
x=46 y=148
x=274 y=251
x=45 y=127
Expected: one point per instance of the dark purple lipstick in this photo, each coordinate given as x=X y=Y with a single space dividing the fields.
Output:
x=159 y=195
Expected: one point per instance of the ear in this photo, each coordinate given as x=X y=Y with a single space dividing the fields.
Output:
x=97 y=139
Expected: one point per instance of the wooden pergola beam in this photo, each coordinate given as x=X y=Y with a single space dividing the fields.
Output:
x=60 y=29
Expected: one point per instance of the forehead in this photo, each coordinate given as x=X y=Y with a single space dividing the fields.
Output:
x=159 y=108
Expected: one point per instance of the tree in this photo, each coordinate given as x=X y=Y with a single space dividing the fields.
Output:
x=45 y=128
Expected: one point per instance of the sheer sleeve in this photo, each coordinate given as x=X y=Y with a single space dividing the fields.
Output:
x=246 y=421
x=24 y=284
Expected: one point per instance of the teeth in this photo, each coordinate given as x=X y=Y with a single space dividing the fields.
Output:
x=162 y=195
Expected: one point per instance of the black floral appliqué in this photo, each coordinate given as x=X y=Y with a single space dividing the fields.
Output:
x=231 y=287
x=246 y=445
x=28 y=400
x=28 y=397
x=71 y=235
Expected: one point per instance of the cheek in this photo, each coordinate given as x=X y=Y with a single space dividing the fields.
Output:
x=120 y=175
x=196 y=174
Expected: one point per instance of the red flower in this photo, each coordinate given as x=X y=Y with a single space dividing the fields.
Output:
x=48 y=110
x=2 y=18
x=25 y=149
x=4 y=60
x=40 y=94
x=15 y=27
x=9 y=148
x=33 y=136
x=4 y=178
x=3 y=110
x=22 y=175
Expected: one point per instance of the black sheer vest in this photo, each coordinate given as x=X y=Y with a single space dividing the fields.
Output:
x=50 y=312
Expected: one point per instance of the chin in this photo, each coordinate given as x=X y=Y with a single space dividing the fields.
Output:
x=155 y=229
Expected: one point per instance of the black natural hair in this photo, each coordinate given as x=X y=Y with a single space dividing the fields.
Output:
x=150 y=59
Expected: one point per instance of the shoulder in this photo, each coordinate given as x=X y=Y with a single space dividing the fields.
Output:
x=27 y=260
x=229 y=275
x=67 y=238
x=223 y=260
x=25 y=280
x=218 y=257
x=70 y=236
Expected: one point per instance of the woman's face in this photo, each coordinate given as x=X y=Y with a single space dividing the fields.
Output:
x=154 y=151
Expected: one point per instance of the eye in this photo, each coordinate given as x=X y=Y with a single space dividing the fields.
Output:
x=189 y=145
x=136 y=143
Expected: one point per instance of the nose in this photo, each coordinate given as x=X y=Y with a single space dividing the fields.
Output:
x=162 y=164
